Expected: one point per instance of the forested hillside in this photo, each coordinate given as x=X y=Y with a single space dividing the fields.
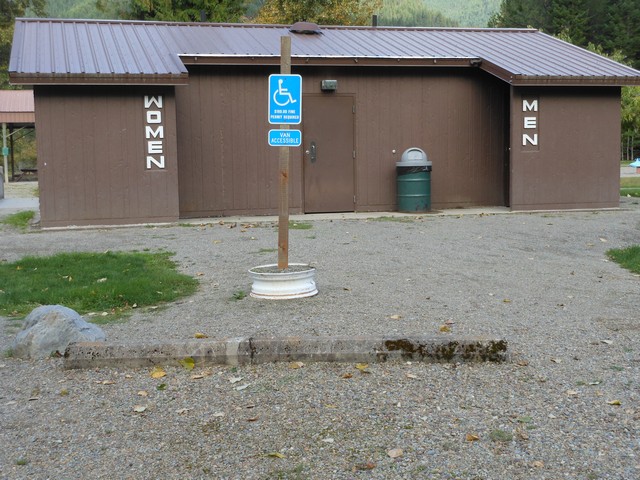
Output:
x=465 y=13
x=612 y=24
x=412 y=13
x=468 y=13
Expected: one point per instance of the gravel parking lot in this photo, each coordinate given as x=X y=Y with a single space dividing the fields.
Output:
x=567 y=405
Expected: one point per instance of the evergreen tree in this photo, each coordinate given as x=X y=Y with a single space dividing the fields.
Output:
x=522 y=14
x=613 y=24
x=185 y=10
x=624 y=29
x=9 y=10
x=570 y=17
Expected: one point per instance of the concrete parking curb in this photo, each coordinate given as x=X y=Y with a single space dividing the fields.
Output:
x=256 y=350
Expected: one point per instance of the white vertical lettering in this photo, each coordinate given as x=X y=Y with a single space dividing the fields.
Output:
x=532 y=140
x=148 y=101
x=154 y=116
x=158 y=163
x=150 y=132
x=530 y=122
x=530 y=107
x=154 y=146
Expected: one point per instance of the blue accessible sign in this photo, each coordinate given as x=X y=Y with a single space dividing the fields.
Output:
x=285 y=138
x=285 y=99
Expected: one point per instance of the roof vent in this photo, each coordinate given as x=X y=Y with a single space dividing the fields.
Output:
x=307 y=28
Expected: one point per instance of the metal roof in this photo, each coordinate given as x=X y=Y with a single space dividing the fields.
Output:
x=16 y=106
x=93 y=51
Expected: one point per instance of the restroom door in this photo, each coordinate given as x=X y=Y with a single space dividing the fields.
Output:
x=329 y=152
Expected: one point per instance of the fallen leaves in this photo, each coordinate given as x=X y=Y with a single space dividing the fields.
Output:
x=472 y=437
x=616 y=403
x=188 y=363
x=105 y=382
x=201 y=335
x=395 y=453
x=363 y=367
x=139 y=408
x=296 y=365
x=274 y=455
x=158 y=372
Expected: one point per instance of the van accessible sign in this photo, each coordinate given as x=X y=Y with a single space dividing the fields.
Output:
x=285 y=138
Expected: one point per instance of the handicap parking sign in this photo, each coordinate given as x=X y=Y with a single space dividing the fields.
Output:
x=285 y=99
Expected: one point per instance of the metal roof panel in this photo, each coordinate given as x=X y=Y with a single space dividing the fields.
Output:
x=103 y=50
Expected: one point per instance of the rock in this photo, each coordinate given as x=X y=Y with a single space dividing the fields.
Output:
x=50 y=329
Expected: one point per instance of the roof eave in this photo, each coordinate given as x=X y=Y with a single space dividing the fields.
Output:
x=97 y=79
x=574 y=81
x=190 y=59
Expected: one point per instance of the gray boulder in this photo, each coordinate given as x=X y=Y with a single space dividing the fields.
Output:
x=50 y=329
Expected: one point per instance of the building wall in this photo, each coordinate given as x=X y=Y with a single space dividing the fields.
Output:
x=92 y=155
x=568 y=156
x=457 y=116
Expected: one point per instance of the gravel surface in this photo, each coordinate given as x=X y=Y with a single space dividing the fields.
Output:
x=566 y=406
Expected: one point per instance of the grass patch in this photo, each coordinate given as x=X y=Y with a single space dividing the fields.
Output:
x=628 y=258
x=299 y=225
x=239 y=295
x=630 y=192
x=630 y=182
x=630 y=186
x=92 y=282
x=500 y=436
x=19 y=220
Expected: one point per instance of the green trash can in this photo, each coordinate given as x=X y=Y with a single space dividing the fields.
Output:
x=413 y=175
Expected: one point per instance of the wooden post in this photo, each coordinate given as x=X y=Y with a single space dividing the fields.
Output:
x=283 y=218
x=4 y=145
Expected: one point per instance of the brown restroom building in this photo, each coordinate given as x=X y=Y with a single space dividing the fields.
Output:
x=151 y=122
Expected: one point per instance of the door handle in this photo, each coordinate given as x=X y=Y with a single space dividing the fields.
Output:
x=312 y=152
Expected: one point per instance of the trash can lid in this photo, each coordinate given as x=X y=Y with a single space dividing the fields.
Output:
x=413 y=157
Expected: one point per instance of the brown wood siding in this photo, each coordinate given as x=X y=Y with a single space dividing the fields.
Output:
x=577 y=159
x=226 y=166
x=92 y=157
x=456 y=115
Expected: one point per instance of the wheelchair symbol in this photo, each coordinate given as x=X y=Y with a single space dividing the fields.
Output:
x=282 y=97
